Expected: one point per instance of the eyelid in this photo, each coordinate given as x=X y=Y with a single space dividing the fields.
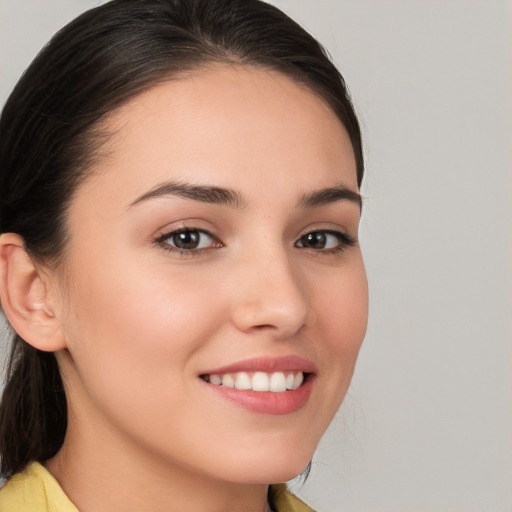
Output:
x=161 y=240
x=345 y=240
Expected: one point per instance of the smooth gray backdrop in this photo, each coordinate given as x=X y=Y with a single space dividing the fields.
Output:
x=427 y=425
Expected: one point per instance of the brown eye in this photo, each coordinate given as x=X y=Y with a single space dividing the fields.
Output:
x=324 y=241
x=187 y=240
x=316 y=240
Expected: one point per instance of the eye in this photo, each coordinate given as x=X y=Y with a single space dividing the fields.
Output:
x=187 y=240
x=325 y=240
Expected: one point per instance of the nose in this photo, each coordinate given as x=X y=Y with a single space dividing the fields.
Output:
x=270 y=295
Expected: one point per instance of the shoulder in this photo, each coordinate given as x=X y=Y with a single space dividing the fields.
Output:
x=34 y=489
x=285 y=501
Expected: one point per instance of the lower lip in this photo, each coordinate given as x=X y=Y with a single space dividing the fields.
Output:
x=267 y=402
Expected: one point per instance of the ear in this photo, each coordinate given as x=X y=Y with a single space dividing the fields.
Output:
x=25 y=297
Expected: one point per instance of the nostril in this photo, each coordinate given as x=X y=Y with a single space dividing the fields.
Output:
x=276 y=302
x=264 y=326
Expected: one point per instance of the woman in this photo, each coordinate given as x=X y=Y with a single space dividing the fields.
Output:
x=179 y=260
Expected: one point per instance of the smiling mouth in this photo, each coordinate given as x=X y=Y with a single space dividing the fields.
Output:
x=275 y=382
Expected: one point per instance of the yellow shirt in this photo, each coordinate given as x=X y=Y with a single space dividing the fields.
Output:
x=35 y=490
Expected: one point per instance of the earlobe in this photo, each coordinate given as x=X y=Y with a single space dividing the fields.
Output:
x=25 y=297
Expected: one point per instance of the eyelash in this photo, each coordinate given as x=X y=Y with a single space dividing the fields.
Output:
x=343 y=240
x=161 y=241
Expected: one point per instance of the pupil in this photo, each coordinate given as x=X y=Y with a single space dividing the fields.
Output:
x=315 y=240
x=186 y=239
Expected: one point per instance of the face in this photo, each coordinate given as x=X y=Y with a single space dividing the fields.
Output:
x=215 y=245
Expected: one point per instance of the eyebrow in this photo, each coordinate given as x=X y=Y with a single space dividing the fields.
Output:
x=228 y=197
x=205 y=194
x=330 y=195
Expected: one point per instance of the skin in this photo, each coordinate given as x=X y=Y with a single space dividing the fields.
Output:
x=139 y=323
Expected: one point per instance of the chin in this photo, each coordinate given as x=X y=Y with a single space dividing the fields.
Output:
x=272 y=469
x=280 y=475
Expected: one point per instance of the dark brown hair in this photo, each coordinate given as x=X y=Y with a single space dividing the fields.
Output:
x=49 y=138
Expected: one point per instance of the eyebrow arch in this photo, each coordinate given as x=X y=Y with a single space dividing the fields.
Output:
x=205 y=194
x=330 y=195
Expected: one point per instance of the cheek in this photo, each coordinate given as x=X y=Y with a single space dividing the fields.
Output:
x=129 y=326
x=342 y=304
x=342 y=313
x=133 y=341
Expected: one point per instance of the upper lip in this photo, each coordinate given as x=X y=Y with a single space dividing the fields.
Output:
x=266 y=364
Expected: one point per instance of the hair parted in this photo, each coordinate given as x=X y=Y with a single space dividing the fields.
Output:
x=51 y=135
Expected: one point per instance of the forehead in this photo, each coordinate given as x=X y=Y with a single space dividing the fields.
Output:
x=236 y=125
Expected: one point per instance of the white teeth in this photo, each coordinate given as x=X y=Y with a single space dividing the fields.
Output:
x=216 y=379
x=243 y=381
x=276 y=382
x=260 y=382
x=298 y=380
x=228 y=381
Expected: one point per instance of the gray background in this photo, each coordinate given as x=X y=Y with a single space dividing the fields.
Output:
x=427 y=425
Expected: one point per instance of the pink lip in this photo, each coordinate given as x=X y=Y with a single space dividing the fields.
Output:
x=266 y=402
x=266 y=364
